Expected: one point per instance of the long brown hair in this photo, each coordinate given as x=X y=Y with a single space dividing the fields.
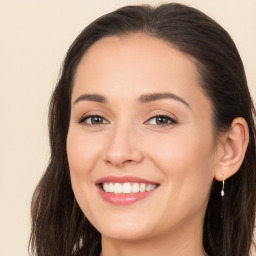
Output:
x=59 y=227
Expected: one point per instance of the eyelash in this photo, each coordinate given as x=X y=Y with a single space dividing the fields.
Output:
x=171 y=120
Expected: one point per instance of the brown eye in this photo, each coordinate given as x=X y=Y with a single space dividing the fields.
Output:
x=162 y=120
x=93 y=120
x=96 y=120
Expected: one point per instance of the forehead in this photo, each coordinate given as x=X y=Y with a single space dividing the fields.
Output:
x=136 y=63
x=145 y=51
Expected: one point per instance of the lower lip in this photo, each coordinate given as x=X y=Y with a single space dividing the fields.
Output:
x=124 y=199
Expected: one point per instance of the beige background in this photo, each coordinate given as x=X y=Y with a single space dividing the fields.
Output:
x=33 y=40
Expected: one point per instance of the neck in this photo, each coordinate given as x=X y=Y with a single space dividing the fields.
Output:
x=181 y=241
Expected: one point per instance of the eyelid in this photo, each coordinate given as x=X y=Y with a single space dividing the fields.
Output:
x=171 y=119
x=154 y=114
x=82 y=120
x=168 y=117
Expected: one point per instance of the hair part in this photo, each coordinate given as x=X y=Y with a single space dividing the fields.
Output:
x=58 y=225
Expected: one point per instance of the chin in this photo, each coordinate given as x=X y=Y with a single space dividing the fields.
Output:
x=127 y=230
x=125 y=234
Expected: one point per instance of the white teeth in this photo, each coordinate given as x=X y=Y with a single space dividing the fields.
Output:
x=118 y=188
x=142 y=187
x=135 y=188
x=127 y=188
x=106 y=187
x=110 y=187
x=148 y=187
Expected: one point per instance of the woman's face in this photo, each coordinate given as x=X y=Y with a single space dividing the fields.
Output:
x=141 y=127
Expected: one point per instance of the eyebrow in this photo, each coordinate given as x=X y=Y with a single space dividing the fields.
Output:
x=145 y=98
x=91 y=97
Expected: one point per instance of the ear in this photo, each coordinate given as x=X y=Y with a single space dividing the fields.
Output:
x=232 y=148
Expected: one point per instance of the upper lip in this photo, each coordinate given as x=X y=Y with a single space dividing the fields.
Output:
x=123 y=179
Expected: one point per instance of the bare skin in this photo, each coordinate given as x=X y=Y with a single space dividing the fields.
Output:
x=178 y=152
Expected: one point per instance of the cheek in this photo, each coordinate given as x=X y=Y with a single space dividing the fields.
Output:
x=82 y=153
x=187 y=163
x=182 y=148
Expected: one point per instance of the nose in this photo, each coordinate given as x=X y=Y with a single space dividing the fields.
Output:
x=123 y=147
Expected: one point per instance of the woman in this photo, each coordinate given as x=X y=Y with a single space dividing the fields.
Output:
x=152 y=141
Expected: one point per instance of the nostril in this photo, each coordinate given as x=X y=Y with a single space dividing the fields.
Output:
x=118 y=163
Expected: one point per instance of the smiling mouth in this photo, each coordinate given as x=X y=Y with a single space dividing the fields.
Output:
x=127 y=187
x=125 y=190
